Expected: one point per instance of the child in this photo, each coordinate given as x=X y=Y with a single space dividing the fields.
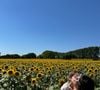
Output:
x=85 y=83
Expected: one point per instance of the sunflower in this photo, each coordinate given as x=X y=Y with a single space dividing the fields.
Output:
x=10 y=72
x=31 y=69
x=36 y=70
x=48 y=72
x=90 y=71
x=4 y=72
x=6 y=67
x=0 y=69
x=95 y=70
x=33 y=81
x=39 y=75
x=17 y=73
x=61 y=82
x=91 y=75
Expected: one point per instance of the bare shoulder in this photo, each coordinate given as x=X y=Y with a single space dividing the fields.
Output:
x=65 y=86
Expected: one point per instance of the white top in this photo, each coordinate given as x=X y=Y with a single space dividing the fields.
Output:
x=65 y=86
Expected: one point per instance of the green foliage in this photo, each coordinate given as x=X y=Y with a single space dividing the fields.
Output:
x=88 y=53
x=12 y=56
x=84 y=53
x=29 y=55
x=48 y=54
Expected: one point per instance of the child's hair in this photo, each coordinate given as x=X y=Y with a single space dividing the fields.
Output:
x=85 y=83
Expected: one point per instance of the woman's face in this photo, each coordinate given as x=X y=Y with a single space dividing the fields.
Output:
x=75 y=78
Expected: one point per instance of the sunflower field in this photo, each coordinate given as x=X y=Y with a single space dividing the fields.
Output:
x=43 y=74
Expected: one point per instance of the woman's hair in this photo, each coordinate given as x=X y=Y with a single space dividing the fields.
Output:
x=85 y=83
x=72 y=74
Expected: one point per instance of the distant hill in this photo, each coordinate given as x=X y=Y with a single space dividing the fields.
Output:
x=83 y=53
x=88 y=53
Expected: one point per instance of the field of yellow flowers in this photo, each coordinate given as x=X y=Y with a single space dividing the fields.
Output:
x=43 y=74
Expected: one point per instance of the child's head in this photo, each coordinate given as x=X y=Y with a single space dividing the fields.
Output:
x=85 y=83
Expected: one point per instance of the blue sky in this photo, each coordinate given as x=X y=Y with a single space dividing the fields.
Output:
x=39 y=25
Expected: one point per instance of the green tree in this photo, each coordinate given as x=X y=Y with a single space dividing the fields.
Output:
x=48 y=54
x=29 y=55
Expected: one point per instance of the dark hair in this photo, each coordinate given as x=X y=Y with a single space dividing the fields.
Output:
x=85 y=83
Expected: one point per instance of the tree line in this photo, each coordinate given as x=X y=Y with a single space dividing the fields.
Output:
x=16 y=56
x=84 y=53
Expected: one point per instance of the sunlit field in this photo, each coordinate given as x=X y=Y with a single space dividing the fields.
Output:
x=43 y=74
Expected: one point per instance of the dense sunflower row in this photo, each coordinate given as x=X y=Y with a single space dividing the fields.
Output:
x=43 y=74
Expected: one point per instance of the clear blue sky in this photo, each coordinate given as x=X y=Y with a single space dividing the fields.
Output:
x=39 y=25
